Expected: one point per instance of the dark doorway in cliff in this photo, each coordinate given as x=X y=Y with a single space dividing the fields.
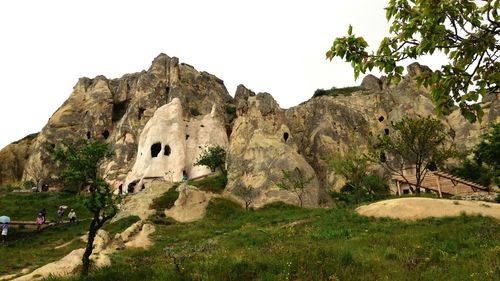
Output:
x=187 y=137
x=381 y=118
x=155 y=149
x=382 y=157
x=285 y=136
x=386 y=131
x=167 y=150
x=88 y=135
x=105 y=134
x=119 y=109
x=141 y=113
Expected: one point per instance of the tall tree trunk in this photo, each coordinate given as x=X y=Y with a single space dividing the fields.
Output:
x=90 y=245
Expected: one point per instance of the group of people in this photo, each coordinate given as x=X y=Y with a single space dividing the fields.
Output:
x=40 y=219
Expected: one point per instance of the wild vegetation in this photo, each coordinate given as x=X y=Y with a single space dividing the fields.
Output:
x=416 y=143
x=482 y=164
x=27 y=248
x=467 y=32
x=282 y=242
x=82 y=172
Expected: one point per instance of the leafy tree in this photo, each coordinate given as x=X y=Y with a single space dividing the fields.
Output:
x=414 y=143
x=466 y=31
x=488 y=150
x=295 y=181
x=353 y=168
x=81 y=171
x=485 y=168
x=34 y=173
x=213 y=157
x=247 y=193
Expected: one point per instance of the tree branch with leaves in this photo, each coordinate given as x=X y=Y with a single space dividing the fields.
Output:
x=418 y=144
x=82 y=171
x=466 y=31
x=295 y=181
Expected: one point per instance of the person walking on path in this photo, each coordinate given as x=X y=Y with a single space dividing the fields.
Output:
x=40 y=220
x=72 y=216
x=44 y=214
x=60 y=214
x=5 y=230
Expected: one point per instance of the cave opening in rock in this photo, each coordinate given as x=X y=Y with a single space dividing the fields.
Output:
x=382 y=157
x=155 y=149
x=105 y=134
x=119 y=109
x=187 y=137
x=167 y=150
x=386 y=131
x=88 y=135
x=141 y=112
x=285 y=136
x=381 y=118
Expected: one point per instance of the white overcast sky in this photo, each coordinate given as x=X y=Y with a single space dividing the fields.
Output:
x=269 y=46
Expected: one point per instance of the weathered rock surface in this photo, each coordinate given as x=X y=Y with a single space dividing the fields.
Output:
x=13 y=159
x=181 y=110
x=169 y=144
x=338 y=124
x=191 y=204
x=116 y=111
x=420 y=208
x=261 y=146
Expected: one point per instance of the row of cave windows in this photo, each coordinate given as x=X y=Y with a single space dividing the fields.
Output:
x=157 y=146
x=105 y=135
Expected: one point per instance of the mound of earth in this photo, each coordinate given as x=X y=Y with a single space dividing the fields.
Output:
x=419 y=208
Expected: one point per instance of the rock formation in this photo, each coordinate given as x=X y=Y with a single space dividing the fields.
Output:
x=117 y=110
x=169 y=144
x=261 y=147
x=157 y=121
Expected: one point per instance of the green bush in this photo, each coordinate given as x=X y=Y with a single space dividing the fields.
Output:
x=334 y=92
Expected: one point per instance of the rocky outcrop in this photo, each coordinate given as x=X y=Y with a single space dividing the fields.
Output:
x=191 y=204
x=13 y=159
x=261 y=147
x=116 y=111
x=338 y=124
x=170 y=143
x=157 y=121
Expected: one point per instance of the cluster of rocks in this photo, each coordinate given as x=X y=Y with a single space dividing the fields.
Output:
x=158 y=121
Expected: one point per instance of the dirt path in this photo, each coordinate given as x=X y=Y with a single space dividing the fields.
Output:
x=419 y=208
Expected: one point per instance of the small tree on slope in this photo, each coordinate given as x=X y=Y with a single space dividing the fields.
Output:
x=418 y=143
x=81 y=171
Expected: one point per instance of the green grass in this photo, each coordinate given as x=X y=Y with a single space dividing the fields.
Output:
x=25 y=206
x=167 y=200
x=32 y=249
x=215 y=184
x=120 y=225
x=282 y=242
x=28 y=248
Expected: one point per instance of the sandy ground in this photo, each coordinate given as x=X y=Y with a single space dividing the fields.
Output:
x=419 y=208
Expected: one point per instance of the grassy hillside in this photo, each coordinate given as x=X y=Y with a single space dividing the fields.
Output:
x=28 y=248
x=281 y=242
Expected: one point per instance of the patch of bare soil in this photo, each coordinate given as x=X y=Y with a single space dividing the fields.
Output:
x=419 y=208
